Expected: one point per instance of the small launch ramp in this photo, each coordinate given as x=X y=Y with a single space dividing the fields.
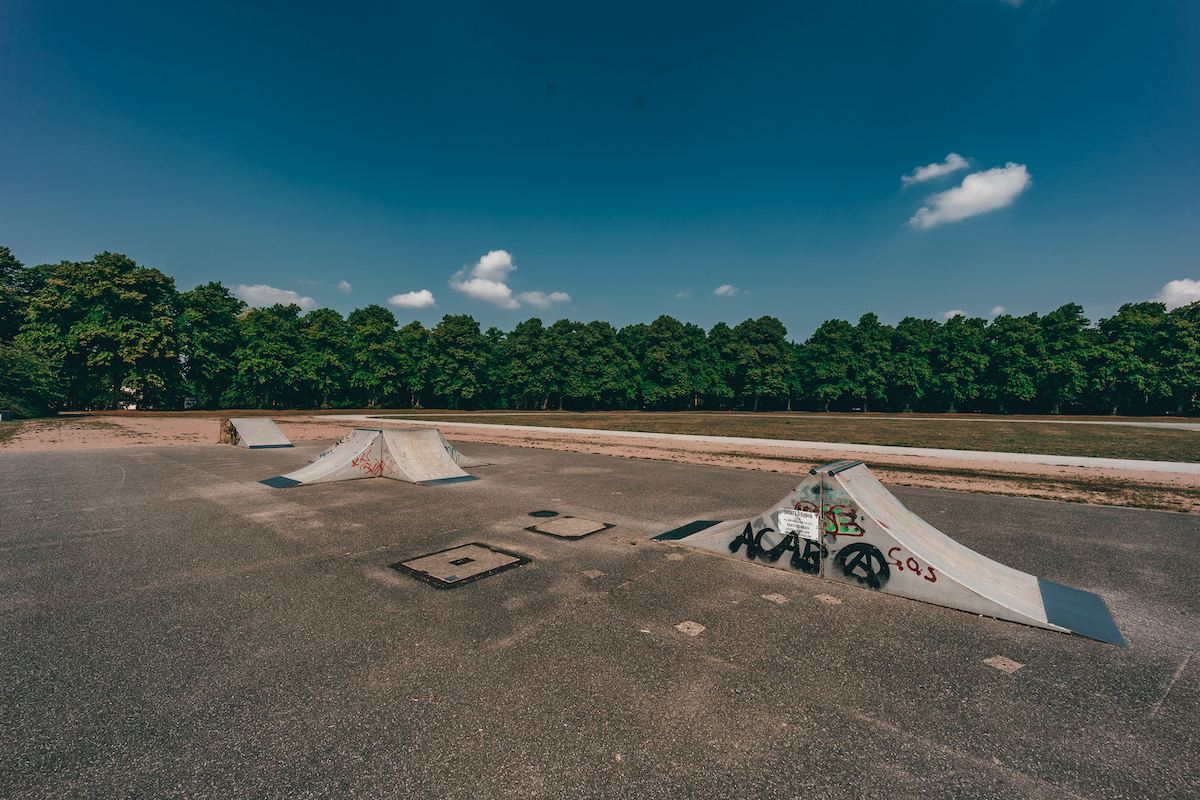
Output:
x=253 y=432
x=415 y=455
x=841 y=524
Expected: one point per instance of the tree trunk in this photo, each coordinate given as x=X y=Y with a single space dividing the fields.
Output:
x=756 y=402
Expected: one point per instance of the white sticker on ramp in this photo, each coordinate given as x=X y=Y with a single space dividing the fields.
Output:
x=805 y=524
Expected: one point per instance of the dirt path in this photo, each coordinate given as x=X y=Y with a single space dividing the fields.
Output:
x=1168 y=491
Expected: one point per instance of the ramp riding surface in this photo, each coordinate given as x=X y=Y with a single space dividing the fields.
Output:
x=414 y=455
x=253 y=432
x=859 y=533
x=170 y=628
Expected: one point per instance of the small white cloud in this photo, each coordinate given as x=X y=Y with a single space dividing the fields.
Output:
x=953 y=163
x=684 y=295
x=495 y=266
x=344 y=286
x=997 y=311
x=725 y=290
x=978 y=193
x=951 y=314
x=543 y=300
x=260 y=296
x=485 y=280
x=1177 y=294
x=421 y=299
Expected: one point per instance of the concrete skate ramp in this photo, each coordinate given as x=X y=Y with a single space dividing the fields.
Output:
x=415 y=455
x=253 y=432
x=841 y=524
x=457 y=457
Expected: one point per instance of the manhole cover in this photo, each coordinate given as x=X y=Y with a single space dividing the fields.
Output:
x=569 y=527
x=459 y=565
x=543 y=513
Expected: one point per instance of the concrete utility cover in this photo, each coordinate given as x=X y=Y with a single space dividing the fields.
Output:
x=569 y=527
x=460 y=565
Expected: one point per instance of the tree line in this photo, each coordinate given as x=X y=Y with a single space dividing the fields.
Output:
x=108 y=333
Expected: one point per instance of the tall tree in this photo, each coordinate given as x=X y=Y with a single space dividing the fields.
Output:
x=459 y=357
x=375 y=368
x=106 y=321
x=413 y=362
x=208 y=338
x=1068 y=344
x=325 y=358
x=1127 y=369
x=825 y=362
x=1016 y=360
x=958 y=361
x=911 y=375
x=269 y=356
x=527 y=372
x=871 y=364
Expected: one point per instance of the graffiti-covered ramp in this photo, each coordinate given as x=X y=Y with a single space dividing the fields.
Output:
x=253 y=432
x=414 y=455
x=843 y=525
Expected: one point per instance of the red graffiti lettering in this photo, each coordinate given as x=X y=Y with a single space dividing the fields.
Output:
x=911 y=563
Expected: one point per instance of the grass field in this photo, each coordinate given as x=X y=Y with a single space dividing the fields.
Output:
x=972 y=433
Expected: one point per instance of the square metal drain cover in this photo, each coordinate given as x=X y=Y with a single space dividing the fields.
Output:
x=459 y=565
x=569 y=527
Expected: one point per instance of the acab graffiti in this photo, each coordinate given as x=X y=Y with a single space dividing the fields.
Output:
x=806 y=559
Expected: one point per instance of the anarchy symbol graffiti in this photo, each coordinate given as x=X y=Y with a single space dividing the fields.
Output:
x=864 y=563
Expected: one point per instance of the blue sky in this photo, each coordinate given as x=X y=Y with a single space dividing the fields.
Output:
x=615 y=161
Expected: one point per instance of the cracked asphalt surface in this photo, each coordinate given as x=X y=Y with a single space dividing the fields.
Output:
x=169 y=627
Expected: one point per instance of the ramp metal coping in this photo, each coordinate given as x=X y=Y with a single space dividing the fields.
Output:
x=440 y=481
x=847 y=465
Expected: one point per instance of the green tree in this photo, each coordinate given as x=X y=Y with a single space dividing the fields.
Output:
x=1068 y=343
x=605 y=364
x=208 y=338
x=723 y=348
x=459 y=358
x=413 y=362
x=910 y=374
x=527 y=370
x=1128 y=365
x=958 y=361
x=111 y=324
x=324 y=358
x=1016 y=360
x=269 y=356
x=374 y=353
x=871 y=363
x=825 y=363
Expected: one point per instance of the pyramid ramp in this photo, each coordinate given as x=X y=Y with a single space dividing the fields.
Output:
x=455 y=456
x=841 y=524
x=253 y=432
x=412 y=455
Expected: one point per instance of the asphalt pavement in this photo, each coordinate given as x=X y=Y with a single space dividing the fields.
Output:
x=170 y=627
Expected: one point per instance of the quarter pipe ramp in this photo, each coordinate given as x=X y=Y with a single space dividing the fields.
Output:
x=414 y=455
x=253 y=432
x=841 y=524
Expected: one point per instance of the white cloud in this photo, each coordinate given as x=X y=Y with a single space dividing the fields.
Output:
x=997 y=311
x=486 y=280
x=978 y=193
x=260 y=295
x=725 y=290
x=684 y=295
x=543 y=300
x=344 y=286
x=421 y=299
x=951 y=314
x=953 y=163
x=1177 y=294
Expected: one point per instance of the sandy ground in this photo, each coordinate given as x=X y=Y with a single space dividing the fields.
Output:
x=1168 y=491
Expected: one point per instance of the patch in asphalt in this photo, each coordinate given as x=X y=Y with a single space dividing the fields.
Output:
x=778 y=599
x=459 y=565
x=570 y=527
x=690 y=628
x=828 y=598
x=1003 y=664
